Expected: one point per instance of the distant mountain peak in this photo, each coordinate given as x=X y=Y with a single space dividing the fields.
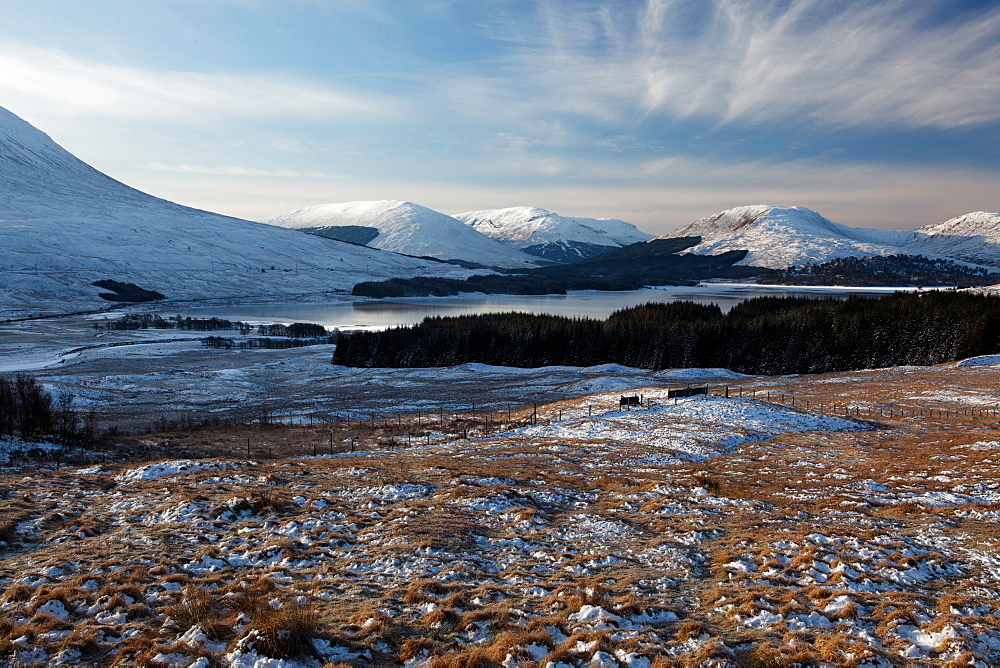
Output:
x=977 y=223
x=405 y=227
x=546 y=234
x=65 y=225
x=782 y=236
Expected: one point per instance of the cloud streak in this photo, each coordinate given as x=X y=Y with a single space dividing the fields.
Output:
x=56 y=83
x=729 y=62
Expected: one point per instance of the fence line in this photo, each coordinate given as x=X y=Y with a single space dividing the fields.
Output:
x=359 y=430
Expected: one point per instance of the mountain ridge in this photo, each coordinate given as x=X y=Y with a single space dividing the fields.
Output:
x=777 y=237
x=51 y=202
x=405 y=227
x=545 y=234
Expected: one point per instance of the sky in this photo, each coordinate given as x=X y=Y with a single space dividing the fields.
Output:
x=659 y=112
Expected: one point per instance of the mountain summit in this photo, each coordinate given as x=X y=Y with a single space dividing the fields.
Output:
x=64 y=225
x=403 y=227
x=779 y=237
x=548 y=235
x=973 y=237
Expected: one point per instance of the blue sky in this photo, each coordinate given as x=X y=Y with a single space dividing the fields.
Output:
x=882 y=114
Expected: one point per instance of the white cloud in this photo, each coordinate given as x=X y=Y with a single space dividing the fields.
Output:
x=49 y=83
x=840 y=64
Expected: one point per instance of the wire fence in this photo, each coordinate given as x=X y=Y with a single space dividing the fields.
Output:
x=269 y=433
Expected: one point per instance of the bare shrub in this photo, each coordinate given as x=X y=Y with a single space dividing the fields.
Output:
x=25 y=407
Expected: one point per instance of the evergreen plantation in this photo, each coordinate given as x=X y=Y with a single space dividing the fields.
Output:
x=656 y=262
x=765 y=335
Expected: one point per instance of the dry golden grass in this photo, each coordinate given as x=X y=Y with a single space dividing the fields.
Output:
x=430 y=576
x=285 y=633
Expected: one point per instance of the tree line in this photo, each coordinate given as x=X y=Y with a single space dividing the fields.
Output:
x=656 y=262
x=888 y=270
x=265 y=343
x=135 y=321
x=765 y=335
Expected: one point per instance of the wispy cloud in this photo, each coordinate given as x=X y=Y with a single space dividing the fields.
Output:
x=837 y=63
x=56 y=83
x=240 y=170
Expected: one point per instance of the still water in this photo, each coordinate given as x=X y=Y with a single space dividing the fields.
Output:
x=385 y=313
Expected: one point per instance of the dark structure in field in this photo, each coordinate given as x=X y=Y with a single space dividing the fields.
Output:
x=682 y=392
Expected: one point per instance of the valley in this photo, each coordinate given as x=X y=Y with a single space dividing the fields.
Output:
x=265 y=508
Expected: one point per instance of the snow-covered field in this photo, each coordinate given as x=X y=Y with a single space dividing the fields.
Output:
x=131 y=378
x=711 y=531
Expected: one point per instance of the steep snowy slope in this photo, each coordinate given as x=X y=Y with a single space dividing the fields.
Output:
x=404 y=227
x=974 y=237
x=64 y=225
x=781 y=236
x=551 y=236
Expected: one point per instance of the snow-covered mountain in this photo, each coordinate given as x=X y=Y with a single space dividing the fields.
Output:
x=551 y=236
x=403 y=227
x=779 y=237
x=63 y=225
x=974 y=237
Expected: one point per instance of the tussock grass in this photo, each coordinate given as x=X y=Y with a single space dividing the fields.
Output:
x=592 y=525
x=286 y=632
x=270 y=501
x=8 y=530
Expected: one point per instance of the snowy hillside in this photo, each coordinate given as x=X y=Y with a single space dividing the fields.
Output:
x=403 y=227
x=551 y=236
x=974 y=237
x=779 y=237
x=64 y=225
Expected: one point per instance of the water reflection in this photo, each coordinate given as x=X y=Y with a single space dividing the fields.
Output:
x=381 y=314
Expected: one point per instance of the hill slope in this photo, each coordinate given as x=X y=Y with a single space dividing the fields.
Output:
x=779 y=237
x=974 y=237
x=403 y=227
x=551 y=236
x=63 y=225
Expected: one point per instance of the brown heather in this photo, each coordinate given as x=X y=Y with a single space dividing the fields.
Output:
x=421 y=553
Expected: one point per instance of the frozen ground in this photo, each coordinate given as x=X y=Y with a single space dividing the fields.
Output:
x=711 y=532
x=134 y=378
